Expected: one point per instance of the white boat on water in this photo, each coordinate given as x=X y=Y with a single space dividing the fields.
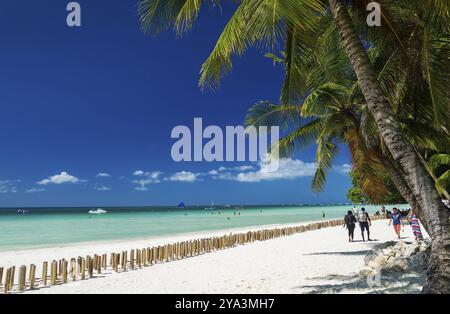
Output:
x=97 y=211
x=211 y=208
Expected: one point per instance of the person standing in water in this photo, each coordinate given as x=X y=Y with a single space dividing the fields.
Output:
x=364 y=223
x=396 y=220
x=350 y=222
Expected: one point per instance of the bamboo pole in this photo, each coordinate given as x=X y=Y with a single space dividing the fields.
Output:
x=79 y=260
x=90 y=266
x=7 y=281
x=132 y=259
x=32 y=278
x=144 y=257
x=73 y=268
x=53 y=273
x=64 y=270
x=83 y=269
x=12 y=277
x=44 y=273
x=22 y=277
x=99 y=264
x=1 y=275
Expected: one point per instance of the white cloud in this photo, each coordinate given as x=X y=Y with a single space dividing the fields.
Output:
x=102 y=188
x=343 y=169
x=103 y=175
x=138 y=173
x=183 y=176
x=146 y=178
x=287 y=169
x=34 y=190
x=61 y=178
x=8 y=186
x=222 y=170
x=244 y=168
x=284 y=169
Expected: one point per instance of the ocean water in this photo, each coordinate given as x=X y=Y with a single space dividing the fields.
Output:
x=46 y=227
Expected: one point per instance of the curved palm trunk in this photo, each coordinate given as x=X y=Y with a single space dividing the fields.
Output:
x=417 y=178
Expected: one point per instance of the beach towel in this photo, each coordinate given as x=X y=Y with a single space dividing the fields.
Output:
x=416 y=227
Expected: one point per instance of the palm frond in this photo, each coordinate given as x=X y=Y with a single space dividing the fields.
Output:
x=266 y=114
x=326 y=153
x=257 y=23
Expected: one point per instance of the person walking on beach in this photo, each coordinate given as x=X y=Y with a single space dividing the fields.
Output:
x=396 y=220
x=350 y=222
x=364 y=223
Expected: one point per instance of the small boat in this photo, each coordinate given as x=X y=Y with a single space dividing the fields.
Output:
x=22 y=212
x=211 y=208
x=181 y=205
x=97 y=211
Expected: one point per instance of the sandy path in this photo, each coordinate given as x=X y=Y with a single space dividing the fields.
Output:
x=316 y=261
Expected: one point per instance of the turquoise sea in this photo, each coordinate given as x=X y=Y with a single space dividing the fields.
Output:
x=46 y=227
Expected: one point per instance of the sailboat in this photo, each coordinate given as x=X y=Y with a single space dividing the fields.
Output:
x=211 y=208
x=181 y=205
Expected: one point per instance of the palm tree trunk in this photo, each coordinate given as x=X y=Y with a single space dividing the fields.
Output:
x=416 y=176
x=404 y=189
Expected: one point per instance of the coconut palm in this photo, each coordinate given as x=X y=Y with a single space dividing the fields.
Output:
x=331 y=115
x=266 y=23
x=443 y=181
x=403 y=153
x=328 y=117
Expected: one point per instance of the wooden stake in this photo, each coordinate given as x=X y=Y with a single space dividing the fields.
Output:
x=53 y=273
x=83 y=269
x=22 y=276
x=64 y=270
x=7 y=280
x=44 y=273
x=11 y=281
x=32 y=277
x=132 y=259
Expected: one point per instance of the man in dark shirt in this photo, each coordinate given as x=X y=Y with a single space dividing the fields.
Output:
x=349 y=222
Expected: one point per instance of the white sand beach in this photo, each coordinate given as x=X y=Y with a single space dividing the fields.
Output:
x=320 y=261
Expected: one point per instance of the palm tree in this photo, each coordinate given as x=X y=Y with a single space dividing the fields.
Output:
x=403 y=153
x=266 y=23
x=328 y=117
x=443 y=181
x=334 y=114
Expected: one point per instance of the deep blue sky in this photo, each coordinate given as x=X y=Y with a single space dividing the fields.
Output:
x=104 y=98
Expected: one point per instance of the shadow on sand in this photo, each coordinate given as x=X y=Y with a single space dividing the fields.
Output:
x=388 y=282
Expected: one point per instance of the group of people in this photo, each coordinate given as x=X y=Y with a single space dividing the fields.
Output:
x=362 y=218
x=396 y=218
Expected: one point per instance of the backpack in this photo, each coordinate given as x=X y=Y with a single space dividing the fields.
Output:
x=349 y=220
